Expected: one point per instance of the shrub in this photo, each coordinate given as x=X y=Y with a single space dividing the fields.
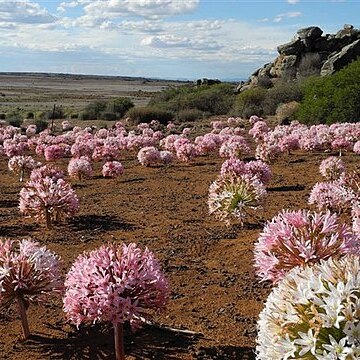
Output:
x=189 y=115
x=93 y=109
x=148 y=113
x=287 y=111
x=41 y=125
x=16 y=122
x=215 y=99
x=250 y=102
x=108 y=116
x=282 y=92
x=334 y=98
x=119 y=106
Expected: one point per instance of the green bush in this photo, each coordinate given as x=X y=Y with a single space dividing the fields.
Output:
x=334 y=98
x=108 y=116
x=189 y=115
x=250 y=102
x=147 y=113
x=41 y=125
x=119 y=106
x=212 y=99
x=92 y=110
x=14 y=118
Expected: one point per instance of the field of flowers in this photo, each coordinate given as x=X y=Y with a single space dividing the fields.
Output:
x=252 y=233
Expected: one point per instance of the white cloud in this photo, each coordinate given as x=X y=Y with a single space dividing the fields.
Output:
x=293 y=1
x=291 y=14
x=24 y=12
x=171 y=41
x=152 y=9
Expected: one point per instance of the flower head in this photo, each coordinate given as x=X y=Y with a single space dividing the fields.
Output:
x=297 y=238
x=313 y=313
x=29 y=271
x=233 y=196
x=115 y=283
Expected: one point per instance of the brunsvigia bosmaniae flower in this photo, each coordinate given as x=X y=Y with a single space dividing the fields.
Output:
x=48 y=199
x=233 y=197
x=22 y=165
x=115 y=283
x=332 y=195
x=29 y=273
x=313 y=313
x=297 y=238
x=332 y=168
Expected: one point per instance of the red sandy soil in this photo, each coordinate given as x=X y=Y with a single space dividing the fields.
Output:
x=210 y=266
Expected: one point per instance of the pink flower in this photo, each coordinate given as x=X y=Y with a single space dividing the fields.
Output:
x=48 y=199
x=259 y=169
x=233 y=166
x=296 y=238
x=149 y=156
x=332 y=168
x=53 y=152
x=115 y=283
x=80 y=167
x=355 y=213
x=356 y=147
x=28 y=274
x=166 y=157
x=258 y=131
x=22 y=165
x=331 y=196
x=235 y=146
x=112 y=169
x=46 y=171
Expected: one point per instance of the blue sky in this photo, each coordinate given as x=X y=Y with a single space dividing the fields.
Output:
x=169 y=39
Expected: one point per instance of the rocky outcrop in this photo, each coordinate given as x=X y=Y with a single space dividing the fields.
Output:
x=310 y=52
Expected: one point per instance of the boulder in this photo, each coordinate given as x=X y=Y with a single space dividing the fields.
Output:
x=293 y=47
x=312 y=32
x=341 y=59
x=283 y=64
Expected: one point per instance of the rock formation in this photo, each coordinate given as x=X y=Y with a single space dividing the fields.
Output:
x=310 y=52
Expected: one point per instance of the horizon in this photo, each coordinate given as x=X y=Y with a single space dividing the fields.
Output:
x=180 y=40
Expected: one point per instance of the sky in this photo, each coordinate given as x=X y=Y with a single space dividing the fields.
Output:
x=168 y=39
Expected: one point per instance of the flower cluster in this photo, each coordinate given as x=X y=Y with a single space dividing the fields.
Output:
x=29 y=271
x=22 y=165
x=313 y=313
x=112 y=169
x=332 y=196
x=79 y=167
x=297 y=238
x=234 y=196
x=115 y=283
x=332 y=168
x=48 y=199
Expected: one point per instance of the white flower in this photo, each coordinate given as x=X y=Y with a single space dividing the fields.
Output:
x=313 y=313
x=307 y=342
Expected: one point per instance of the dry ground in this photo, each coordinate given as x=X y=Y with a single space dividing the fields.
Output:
x=210 y=266
x=39 y=92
